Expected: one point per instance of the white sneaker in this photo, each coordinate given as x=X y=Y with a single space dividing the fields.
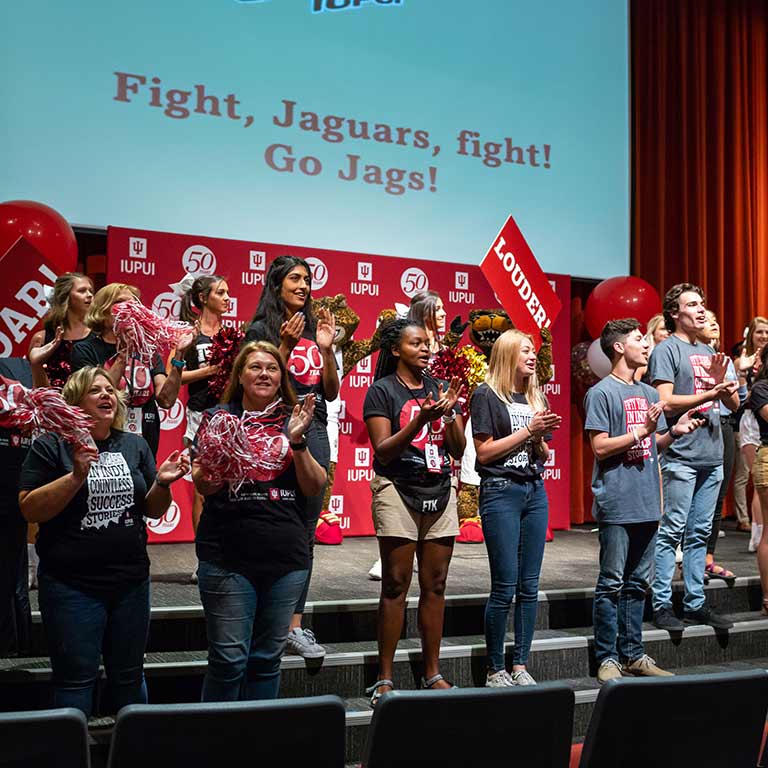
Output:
x=522 y=678
x=500 y=679
x=302 y=642
x=678 y=555
x=375 y=573
x=754 y=539
x=721 y=534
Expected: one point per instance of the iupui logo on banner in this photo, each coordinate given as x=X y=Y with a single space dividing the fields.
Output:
x=26 y=277
x=514 y=274
x=257 y=262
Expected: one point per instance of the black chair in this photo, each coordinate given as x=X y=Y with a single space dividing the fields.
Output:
x=306 y=731
x=50 y=737
x=526 y=726
x=695 y=720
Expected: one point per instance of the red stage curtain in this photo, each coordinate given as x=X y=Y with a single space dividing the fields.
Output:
x=699 y=157
x=700 y=154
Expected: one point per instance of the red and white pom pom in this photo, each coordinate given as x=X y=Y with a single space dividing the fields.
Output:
x=42 y=410
x=252 y=448
x=142 y=334
x=223 y=450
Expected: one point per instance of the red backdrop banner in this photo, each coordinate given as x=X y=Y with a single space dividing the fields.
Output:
x=153 y=261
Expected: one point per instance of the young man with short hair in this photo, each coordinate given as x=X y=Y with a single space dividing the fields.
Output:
x=623 y=418
x=689 y=375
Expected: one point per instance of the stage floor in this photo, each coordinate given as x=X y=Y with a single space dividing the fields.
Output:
x=341 y=572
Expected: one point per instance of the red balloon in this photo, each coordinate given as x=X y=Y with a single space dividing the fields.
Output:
x=619 y=297
x=45 y=229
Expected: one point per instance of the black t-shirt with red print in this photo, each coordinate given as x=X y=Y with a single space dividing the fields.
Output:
x=260 y=529
x=392 y=399
x=138 y=382
x=305 y=367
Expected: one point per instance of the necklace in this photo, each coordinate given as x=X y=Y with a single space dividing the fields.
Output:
x=623 y=381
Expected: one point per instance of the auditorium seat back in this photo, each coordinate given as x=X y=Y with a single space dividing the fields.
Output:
x=692 y=720
x=308 y=731
x=526 y=726
x=51 y=737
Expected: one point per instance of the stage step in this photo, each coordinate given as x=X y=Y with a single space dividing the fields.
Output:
x=181 y=626
x=349 y=668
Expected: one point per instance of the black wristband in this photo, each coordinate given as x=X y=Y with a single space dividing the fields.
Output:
x=162 y=485
x=302 y=446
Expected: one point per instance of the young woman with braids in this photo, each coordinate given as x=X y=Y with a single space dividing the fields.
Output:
x=285 y=318
x=415 y=428
x=203 y=304
x=51 y=349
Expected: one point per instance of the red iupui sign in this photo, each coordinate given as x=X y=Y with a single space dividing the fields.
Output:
x=518 y=281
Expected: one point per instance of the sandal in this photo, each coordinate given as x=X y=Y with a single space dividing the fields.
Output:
x=764 y=608
x=428 y=684
x=716 y=571
x=375 y=693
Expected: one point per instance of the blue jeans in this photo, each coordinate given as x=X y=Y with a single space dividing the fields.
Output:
x=247 y=624
x=626 y=557
x=81 y=628
x=690 y=495
x=514 y=517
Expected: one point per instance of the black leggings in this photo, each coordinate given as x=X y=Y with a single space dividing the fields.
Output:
x=729 y=458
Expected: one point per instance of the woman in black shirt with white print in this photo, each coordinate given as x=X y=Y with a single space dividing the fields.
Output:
x=414 y=429
x=510 y=422
x=90 y=502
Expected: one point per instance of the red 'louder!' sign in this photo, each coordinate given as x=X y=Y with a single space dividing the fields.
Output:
x=516 y=277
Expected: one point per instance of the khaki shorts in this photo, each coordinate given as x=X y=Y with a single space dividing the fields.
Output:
x=391 y=517
x=760 y=468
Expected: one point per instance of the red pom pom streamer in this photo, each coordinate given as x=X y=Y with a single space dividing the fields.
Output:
x=142 y=334
x=446 y=364
x=234 y=449
x=224 y=348
x=42 y=410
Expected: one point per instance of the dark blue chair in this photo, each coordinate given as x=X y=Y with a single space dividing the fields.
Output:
x=525 y=726
x=307 y=731
x=696 y=720
x=50 y=737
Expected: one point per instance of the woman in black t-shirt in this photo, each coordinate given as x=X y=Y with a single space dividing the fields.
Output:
x=146 y=388
x=50 y=350
x=285 y=318
x=90 y=502
x=203 y=305
x=414 y=429
x=251 y=541
x=510 y=422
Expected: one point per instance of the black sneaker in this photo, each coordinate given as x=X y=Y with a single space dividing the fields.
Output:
x=705 y=615
x=664 y=618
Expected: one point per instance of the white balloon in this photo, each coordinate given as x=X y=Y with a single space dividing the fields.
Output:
x=598 y=362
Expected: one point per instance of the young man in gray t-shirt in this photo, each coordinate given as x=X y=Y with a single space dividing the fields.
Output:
x=688 y=375
x=627 y=428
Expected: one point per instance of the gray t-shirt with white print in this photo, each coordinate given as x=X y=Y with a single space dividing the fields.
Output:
x=625 y=486
x=686 y=367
